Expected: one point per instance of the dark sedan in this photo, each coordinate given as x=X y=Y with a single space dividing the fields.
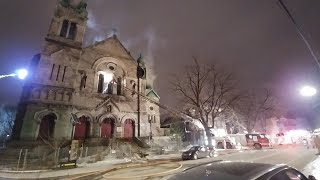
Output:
x=225 y=170
x=196 y=152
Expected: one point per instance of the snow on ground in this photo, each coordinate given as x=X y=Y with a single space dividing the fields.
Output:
x=313 y=168
x=106 y=161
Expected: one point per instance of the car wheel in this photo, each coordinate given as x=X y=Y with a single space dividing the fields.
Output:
x=229 y=146
x=220 y=145
x=257 y=146
x=195 y=156
x=211 y=154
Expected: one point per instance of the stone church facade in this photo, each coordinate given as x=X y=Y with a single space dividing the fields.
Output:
x=77 y=92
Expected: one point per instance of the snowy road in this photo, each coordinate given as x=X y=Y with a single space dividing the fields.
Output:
x=299 y=157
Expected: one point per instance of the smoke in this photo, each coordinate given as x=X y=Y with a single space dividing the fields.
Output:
x=97 y=32
x=149 y=42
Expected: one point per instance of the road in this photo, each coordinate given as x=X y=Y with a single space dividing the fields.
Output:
x=297 y=157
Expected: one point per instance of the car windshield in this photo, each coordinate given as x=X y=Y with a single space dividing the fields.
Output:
x=96 y=85
x=194 y=148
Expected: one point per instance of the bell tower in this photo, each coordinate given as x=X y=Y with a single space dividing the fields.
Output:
x=68 y=23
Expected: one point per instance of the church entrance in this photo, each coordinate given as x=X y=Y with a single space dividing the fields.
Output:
x=107 y=128
x=128 y=128
x=82 y=129
x=46 y=128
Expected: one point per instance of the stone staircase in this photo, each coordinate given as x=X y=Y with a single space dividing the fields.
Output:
x=103 y=102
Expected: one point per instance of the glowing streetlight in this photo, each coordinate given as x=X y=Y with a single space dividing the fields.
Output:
x=21 y=73
x=308 y=91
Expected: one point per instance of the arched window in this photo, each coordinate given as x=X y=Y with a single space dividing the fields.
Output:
x=100 y=83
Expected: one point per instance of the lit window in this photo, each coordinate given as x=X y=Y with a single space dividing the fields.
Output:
x=105 y=82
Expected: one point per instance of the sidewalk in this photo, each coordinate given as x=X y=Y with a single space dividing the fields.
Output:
x=87 y=168
x=313 y=168
x=108 y=163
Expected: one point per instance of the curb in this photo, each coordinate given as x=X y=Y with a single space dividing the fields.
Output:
x=147 y=175
x=122 y=167
x=30 y=171
x=36 y=174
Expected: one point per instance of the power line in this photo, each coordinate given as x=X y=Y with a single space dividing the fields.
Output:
x=283 y=6
x=167 y=108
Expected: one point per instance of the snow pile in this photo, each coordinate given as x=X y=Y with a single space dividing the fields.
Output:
x=313 y=168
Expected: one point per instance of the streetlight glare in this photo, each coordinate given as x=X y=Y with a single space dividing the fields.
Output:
x=22 y=73
x=308 y=91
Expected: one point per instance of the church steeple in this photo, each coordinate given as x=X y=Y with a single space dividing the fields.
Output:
x=68 y=23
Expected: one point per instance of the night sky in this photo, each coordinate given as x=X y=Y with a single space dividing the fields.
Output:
x=254 y=39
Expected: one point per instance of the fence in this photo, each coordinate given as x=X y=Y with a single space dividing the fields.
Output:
x=44 y=158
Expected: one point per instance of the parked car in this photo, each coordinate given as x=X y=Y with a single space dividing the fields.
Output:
x=224 y=143
x=257 y=141
x=196 y=152
x=224 y=170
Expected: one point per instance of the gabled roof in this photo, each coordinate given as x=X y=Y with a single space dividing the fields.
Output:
x=111 y=39
x=152 y=92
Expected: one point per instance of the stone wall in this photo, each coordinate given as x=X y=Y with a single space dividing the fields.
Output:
x=66 y=81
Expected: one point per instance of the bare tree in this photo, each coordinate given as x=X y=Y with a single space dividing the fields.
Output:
x=207 y=90
x=255 y=107
x=7 y=117
x=233 y=121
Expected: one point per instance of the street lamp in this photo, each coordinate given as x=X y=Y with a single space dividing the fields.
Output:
x=308 y=91
x=20 y=73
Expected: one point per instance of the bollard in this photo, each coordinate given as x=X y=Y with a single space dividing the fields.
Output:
x=25 y=159
x=86 y=151
x=81 y=152
x=19 y=159
x=58 y=155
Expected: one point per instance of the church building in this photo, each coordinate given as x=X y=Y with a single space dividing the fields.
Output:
x=77 y=92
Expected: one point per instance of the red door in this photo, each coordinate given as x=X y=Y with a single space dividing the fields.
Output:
x=46 y=128
x=81 y=128
x=128 y=128
x=107 y=128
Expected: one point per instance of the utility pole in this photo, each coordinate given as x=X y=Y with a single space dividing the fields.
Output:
x=138 y=101
x=140 y=74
